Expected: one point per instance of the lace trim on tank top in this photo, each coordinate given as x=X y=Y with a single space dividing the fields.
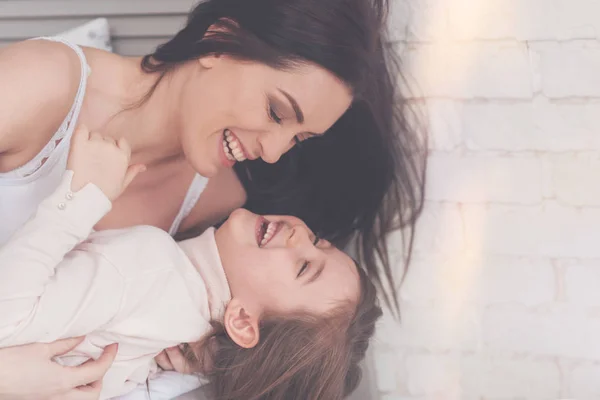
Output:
x=61 y=138
x=66 y=128
x=191 y=198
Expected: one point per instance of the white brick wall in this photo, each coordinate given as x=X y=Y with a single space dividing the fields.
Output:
x=502 y=300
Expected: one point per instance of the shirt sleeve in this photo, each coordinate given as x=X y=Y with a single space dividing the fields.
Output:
x=44 y=280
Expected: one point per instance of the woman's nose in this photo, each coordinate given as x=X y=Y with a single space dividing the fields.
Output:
x=273 y=145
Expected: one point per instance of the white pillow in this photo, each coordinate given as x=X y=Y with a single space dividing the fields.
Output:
x=95 y=33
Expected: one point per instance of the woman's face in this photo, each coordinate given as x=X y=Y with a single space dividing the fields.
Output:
x=276 y=264
x=231 y=110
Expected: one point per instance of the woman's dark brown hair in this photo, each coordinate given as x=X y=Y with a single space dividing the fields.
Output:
x=365 y=176
x=298 y=357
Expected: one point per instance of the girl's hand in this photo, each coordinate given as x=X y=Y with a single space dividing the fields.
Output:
x=172 y=359
x=101 y=161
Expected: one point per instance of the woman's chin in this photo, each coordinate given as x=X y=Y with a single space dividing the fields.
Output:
x=205 y=169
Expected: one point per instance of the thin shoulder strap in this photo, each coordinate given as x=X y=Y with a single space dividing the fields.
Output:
x=191 y=198
x=85 y=72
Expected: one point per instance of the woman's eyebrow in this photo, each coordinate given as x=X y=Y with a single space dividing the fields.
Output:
x=295 y=106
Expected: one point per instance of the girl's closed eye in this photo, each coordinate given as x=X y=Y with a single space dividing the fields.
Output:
x=306 y=264
x=303 y=269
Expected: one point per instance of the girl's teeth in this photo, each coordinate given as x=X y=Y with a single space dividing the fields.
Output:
x=269 y=232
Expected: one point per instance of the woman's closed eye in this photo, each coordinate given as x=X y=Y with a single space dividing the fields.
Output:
x=276 y=116
x=298 y=139
x=273 y=115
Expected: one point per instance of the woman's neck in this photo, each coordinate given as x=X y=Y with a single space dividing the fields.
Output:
x=151 y=127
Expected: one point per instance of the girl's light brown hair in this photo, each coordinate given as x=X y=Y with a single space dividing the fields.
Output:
x=299 y=357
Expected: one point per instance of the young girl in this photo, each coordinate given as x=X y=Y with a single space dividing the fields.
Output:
x=266 y=309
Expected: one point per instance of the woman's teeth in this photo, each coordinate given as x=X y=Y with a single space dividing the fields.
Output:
x=233 y=148
x=269 y=232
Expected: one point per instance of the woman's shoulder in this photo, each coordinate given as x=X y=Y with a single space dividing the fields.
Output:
x=39 y=80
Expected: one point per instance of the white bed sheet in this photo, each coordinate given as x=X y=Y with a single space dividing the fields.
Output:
x=165 y=385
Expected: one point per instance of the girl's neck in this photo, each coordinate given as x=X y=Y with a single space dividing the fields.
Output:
x=203 y=253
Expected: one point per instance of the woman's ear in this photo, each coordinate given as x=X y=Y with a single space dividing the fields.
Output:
x=222 y=27
x=209 y=61
x=241 y=327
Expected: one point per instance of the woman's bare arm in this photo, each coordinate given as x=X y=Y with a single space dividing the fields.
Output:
x=28 y=372
x=39 y=81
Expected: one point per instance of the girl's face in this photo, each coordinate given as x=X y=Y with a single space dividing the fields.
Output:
x=276 y=264
x=231 y=110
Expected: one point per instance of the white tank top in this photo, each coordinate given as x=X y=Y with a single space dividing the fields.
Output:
x=22 y=189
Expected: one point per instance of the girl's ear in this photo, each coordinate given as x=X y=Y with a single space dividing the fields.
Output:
x=241 y=327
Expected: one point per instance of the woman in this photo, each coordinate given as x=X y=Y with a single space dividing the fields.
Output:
x=241 y=86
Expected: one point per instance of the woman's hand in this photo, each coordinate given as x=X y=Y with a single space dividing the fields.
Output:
x=102 y=161
x=28 y=372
